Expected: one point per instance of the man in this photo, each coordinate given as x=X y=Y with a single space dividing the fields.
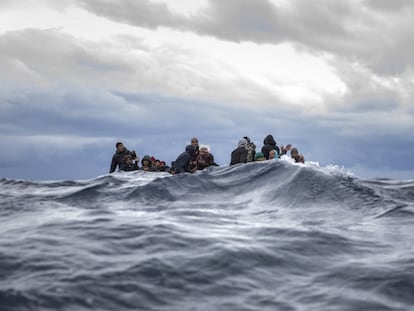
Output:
x=182 y=164
x=239 y=155
x=119 y=155
x=204 y=158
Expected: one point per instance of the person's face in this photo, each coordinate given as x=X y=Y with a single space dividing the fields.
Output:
x=120 y=148
x=194 y=142
x=128 y=161
x=272 y=154
x=146 y=163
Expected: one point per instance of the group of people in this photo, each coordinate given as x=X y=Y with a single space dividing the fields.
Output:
x=196 y=157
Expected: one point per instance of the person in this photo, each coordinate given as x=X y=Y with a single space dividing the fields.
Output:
x=259 y=157
x=184 y=160
x=269 y=143
x=273 y=154
x=147 y=164
x=119 y=155
x=129 y=164
x=239 y=155
x=204 y=158
x=251 y=149
x=299 y=158
x=163 y=167
x=194 y=142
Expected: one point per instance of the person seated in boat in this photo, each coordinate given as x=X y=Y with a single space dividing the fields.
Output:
x=259 y=157
x=204 y=158
x=163 y=167
x=273 y=154
x=184 y=160
x=147 y=164
x=251 y=149
x=299 y=158
x=119 y=155
x=239 y=155
x=269 y=143
x=129 y=164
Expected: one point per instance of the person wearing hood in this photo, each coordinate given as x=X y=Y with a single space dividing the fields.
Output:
x=147 y=164
x=239 y=155
x=183 y=161
x=269 y=143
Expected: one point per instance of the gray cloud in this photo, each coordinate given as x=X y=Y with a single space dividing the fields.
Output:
x=70 y=99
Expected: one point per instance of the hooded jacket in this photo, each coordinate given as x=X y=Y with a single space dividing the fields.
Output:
x=269 y=144
x=183 y=161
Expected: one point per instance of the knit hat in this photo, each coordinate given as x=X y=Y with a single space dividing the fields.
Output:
x=243 y=142
x=258 y=155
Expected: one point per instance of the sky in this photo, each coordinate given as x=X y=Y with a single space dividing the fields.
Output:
x=333 y=78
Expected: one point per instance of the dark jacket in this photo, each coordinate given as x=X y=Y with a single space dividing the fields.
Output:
x=118 y=159
x=239 y=155
x=183 y=161
x=269 y=144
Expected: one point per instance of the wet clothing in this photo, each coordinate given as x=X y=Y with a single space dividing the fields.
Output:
x=118 y=159
x=183 y=161
x=269 y=144
x=239 y=155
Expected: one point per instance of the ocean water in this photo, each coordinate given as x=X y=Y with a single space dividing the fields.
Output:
x=261 y=236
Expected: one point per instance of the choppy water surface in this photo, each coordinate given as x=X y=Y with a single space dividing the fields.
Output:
x=259 y=236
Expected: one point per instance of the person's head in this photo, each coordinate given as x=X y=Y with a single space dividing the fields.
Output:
x=119 y=146
x=242 y=143
x=272 y=154
x=294 y=152
x=128 y=159
x=259 y=157
x=162 y=166
x=146 y=161
x=157 y=163
x=194 y=141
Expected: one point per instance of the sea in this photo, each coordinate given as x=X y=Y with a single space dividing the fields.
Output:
x=271 y=235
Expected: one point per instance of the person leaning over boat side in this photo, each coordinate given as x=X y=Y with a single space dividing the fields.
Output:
x=184 y=160
x=299 y=158
x=119 y=155
x=239 y=155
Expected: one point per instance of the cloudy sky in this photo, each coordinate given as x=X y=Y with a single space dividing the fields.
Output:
x=334 y=78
